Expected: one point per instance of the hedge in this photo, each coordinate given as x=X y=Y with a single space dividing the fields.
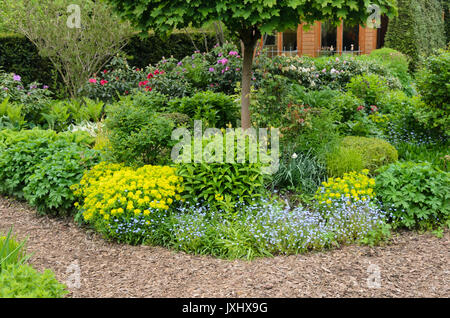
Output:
x=417 y=30
x=18 y=55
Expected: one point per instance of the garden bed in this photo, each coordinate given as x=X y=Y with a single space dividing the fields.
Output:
x=411 y=265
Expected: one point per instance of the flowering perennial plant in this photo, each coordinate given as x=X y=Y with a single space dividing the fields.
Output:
x=268 y=228
x=352 y=187
x=112 y=197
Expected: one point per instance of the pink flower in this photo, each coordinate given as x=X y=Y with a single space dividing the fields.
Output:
x=92 y=80
x=143 y=83
x=223 y=61
x=360 y=108
x=103 y=82
x=374 y=108
x=233 y=53
x=105 y=72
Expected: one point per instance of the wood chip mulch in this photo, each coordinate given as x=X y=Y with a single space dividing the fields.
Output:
x=411 y=265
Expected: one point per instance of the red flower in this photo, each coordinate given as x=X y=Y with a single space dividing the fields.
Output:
x=360 y=108
x=374 y=108
x=103 y=82
x=156 y=72
x=148 y=89
x=143 y=83
x=149 y=76
x=92 y=80
x=105 y=71
x=126 y=92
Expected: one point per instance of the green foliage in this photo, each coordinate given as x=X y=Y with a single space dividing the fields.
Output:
x=138 y=135
x=418 y=194
x=239 y=16
x=397 y=63
x=215 y=109
x=317 y=133
x=76 y=52
x=149 y=50
x=270 y=100
x=368 y=87
x=11 y=251
x=344 y=160
x=48 y=188
x=221 y=186
x=25 y=282
x=358 y=153
x=433 y=82
x=19 y=55
x=436 y=154
x=39 y=165
x=346 y=105
x=417 y=20
x=300 y=172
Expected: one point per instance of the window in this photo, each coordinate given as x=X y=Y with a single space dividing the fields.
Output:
x=290 y=40
x=328 y=37
x=350 y=38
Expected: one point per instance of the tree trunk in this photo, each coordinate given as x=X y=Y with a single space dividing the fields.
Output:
x=246 y=84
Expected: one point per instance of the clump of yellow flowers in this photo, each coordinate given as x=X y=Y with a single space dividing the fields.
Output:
x=379 y=118
x=110 y=191
x=352 y=187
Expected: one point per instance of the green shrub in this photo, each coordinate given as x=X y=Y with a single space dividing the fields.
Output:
x=37 y=165
x=417 y=20
x=344 y=160
x=138 y=135
x=316 y=133
x=25 y=282
x=433 y=84
x=417 y=192
x=221 y=185
x=397 y=63
x=48 y=188
x=270 y=101
x=215 y=109
x=346 y=105
x=19 y=55
x=368 y=87
x=373 y=153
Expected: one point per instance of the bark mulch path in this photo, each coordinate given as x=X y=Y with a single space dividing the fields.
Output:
x=412 y=265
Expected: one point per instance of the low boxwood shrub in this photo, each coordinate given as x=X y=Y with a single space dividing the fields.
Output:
x=23 y=281
x=352 y=150
x=417 y=194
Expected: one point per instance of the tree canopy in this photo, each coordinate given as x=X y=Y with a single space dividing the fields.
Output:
x=248 y=19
